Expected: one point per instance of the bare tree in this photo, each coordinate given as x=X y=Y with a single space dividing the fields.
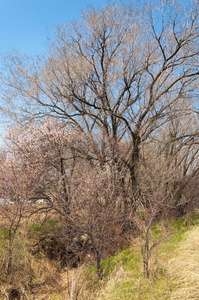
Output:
x=12 y=215
x=122 y=84
x=54 y=163
x=119 y=74
x=178 y=144
x=97 y=215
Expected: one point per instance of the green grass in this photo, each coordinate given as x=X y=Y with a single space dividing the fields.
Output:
x=123 y=273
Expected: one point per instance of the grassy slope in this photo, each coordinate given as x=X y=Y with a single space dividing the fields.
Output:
x=184 y=267
x=174 y=269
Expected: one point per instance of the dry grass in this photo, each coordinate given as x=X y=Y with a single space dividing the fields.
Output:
x=117 y=277
x=184 y=267
x=174 y=275
x=174 y=271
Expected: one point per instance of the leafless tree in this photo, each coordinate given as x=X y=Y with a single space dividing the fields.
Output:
x=12 y=213
x=54 y=162
x=122 y=84
x=154 y=201
x=119 y=74
x=178 y=145
x=97 y=214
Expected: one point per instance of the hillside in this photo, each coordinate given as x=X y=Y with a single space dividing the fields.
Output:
x=174 y=271
x=185 y=265
x=174 y=266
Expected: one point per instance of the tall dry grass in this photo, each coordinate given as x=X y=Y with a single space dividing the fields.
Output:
x=184 y=268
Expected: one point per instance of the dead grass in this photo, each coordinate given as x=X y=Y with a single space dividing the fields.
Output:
x=174 y=272
x=184 y=268
x=174 y=275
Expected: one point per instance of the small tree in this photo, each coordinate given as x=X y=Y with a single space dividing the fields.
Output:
x=154 y=202
x=57 y=162
x=97 y=216
x=12 y=216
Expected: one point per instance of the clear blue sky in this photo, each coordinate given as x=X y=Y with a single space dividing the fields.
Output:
x=25 y=24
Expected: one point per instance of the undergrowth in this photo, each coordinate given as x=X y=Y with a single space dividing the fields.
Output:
x=123 y=273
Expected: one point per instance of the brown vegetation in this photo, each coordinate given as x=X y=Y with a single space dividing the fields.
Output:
x=108 y=143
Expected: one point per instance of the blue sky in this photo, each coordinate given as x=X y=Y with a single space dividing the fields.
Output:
x=26 y=24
